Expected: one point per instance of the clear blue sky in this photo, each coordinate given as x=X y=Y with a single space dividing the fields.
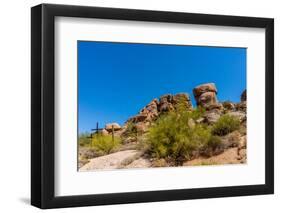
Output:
x=116 y=80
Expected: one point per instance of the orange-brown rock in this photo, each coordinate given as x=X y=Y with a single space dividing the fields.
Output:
x=205 y=94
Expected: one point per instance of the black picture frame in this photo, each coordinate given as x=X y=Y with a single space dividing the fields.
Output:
x=43 y=110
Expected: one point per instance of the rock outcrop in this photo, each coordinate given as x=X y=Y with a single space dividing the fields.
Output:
x=232 y=147
x=205 y=94
x=155 y=108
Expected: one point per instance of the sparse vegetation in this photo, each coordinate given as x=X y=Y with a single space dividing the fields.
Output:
x=170 y=132
x=84 y=139
x=226 y=124
x=171 y=138
x=104 y=143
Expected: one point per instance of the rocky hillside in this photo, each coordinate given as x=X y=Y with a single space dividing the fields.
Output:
x=222 y=122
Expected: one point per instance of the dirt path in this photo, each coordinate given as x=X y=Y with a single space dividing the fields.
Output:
x=111 y=161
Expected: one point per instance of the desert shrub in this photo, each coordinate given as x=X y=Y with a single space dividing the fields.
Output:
x=225 y=125
x=84 y=139
x=131 y=130
x=214 y=141
x=104 y=143
x=170 y=136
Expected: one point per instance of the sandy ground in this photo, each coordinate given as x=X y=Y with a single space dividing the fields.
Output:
x=230 y=156
x=134 y=159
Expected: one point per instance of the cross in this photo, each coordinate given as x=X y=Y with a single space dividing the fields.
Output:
x=97 y=129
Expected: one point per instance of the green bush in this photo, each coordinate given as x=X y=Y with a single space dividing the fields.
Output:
x=131 y=130
x=104 y=143
x=84 y=139
x=171 y=137
x=225 y=125
x=214 y=141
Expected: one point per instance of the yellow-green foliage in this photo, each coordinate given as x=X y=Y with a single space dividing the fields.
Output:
x=131 y=129
x=225 y=125
x=104 y=143
x=171 y=136
x=84 y=139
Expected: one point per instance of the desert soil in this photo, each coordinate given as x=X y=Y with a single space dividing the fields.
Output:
x=230 y=156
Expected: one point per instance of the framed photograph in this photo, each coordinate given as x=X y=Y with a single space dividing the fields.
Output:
x=139 y=106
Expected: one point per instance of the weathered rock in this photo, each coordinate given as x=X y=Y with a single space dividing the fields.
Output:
x=104 y=132
x=242 y=155
x=141 y=127
x=242 y=106
x=203 y=88
x=205 y=94
x=231 y=140
x=238 y=114
x=150 y=110
x=165 y=103
x=242 y=142
x=212 y=117
x=214 y=106
x=182 y=100
x=228 y=105
x=138 y=118
x=244 y=96
x=112 y=126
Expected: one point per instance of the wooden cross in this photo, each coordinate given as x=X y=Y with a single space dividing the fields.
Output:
x=96 y=130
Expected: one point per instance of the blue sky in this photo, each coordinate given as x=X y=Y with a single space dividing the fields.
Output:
x=116 y=80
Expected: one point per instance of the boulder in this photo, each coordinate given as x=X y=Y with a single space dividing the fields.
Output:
x=112 y=126
x=241 y=106
x=214 y=106
x=211 y=117
x=165 y=103
x=238 y=114
x=205 y=94
x=141 y=127
x=232 y=139
x=227 y=105
x=244 y=96
x=104 y=132
x=182 y=99
x=203 y=88
x=150 y=110
x=138 y=118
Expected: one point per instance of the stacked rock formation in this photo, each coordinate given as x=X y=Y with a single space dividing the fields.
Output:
x=205 y=94
x=155 y=108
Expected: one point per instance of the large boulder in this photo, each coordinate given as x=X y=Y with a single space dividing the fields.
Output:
x=240 y=115
x=212 y=117
x=112 y=126
x=165 y=103
x=205 y=94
